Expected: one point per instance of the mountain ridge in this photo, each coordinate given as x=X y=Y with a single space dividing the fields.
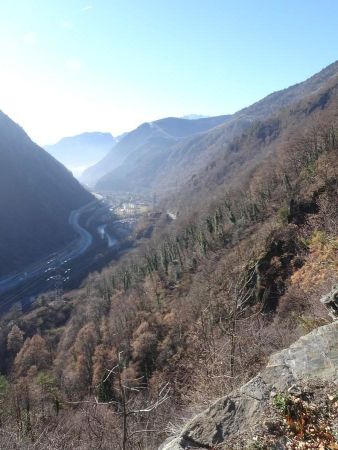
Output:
x=189 y=156
x=171 y=128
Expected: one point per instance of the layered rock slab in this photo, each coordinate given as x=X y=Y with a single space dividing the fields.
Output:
x=313 y=356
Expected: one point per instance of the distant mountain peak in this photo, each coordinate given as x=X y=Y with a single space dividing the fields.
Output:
x=83 y=137
x=83 y=150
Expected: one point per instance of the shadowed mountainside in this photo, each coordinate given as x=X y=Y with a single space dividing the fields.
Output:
x=37 y=194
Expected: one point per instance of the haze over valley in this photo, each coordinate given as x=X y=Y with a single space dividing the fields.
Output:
x=78 y=153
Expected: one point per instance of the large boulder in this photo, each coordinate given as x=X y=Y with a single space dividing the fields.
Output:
x=313 y=356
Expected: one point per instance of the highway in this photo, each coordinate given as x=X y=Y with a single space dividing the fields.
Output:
x=85 y=238
x=66 y=268
x=66 y=254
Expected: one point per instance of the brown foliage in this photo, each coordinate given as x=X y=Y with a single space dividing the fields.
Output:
x=14 y=340
x=34 y=352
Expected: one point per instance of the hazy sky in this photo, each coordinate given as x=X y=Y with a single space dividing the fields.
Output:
x=69 y=66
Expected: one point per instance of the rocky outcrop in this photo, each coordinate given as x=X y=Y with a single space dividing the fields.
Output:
x=312 y=356
x=331 y=302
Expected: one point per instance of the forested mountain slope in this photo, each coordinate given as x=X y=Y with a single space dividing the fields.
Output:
x=154 y=168
x=37 y=194
x=189 y=158
x=265 y=138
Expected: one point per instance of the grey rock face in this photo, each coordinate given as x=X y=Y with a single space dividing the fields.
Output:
x=331 y=302
x=312 y=356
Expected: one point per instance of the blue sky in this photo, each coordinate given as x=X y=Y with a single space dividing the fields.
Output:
x=69 y=66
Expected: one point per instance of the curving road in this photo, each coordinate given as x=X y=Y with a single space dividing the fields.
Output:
x=71 y=251
x=85 y=238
